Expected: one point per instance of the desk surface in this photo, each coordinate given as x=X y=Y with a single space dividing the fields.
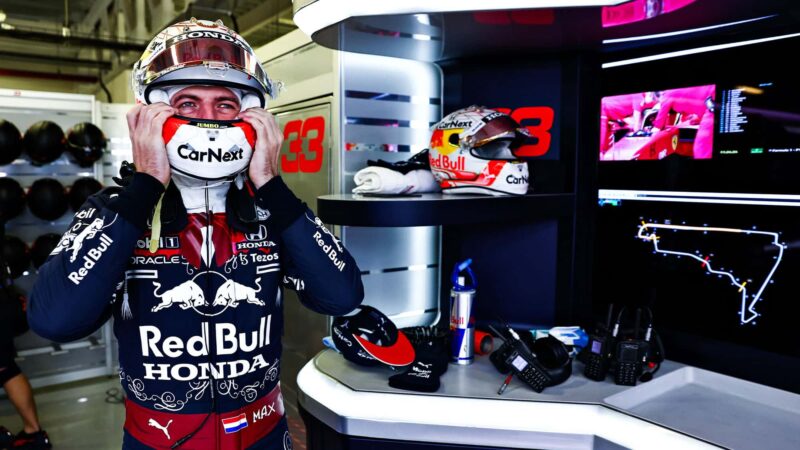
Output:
x=683 y=407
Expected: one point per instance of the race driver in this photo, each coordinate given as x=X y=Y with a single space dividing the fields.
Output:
x=190 y=255
x=625 y=109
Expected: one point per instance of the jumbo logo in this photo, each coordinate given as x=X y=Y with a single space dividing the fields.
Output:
x=445 y=141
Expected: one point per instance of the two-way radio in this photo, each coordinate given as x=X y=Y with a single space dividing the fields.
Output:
x=634 y=354
x=522 y=362
x=596 y=356
x=544 y=363
x=632 y=357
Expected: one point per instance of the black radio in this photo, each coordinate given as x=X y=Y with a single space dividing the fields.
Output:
x=635 y=352
x=539 y=364
x=596 y=356
x=631 y=355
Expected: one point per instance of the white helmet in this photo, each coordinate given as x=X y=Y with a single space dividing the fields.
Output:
x=471 y=152
x=200 y=52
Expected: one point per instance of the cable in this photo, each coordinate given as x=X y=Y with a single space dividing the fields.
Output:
x=212 y=386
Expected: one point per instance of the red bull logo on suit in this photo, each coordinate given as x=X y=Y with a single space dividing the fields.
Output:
x=90 y=259
x=227 y=341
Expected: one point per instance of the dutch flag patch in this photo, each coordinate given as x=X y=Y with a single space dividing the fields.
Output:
x=234 y=424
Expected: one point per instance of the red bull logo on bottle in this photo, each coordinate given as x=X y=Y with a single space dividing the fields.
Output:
x=462 y=324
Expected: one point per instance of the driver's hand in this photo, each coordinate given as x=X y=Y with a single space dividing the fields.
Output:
x=269 y=138
x=145 y=123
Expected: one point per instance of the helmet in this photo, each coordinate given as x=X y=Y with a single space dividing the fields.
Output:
x=471 y=152
x=80 y=190
x=86 y=143
x=44 y=142
x=200 y=52
x=12 y=199
x=10 y=142
x=42 y=247
x=16 y=256
x=47 y=199
x=369 y=338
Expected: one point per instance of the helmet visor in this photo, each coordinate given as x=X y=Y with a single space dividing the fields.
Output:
x=498 y=127
x=217 y=54
x=498 y=149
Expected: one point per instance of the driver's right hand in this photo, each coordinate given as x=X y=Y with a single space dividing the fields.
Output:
x=145 y=123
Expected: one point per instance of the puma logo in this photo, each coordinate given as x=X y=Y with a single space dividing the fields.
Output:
x=154 y=424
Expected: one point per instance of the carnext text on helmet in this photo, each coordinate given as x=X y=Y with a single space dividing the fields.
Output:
x=187 y=152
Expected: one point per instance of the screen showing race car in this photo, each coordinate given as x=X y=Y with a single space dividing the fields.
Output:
x=758 y=120
x=713 y=267
x=639 y=10
x=674 y=123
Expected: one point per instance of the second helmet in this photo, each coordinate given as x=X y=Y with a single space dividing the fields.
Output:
x=471 y=152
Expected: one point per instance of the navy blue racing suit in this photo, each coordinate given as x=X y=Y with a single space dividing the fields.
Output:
x=199 y=321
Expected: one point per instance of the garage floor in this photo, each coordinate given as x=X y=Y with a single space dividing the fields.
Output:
x=83 y=416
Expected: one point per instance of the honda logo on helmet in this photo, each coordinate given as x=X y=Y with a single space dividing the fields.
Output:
x=205 y=34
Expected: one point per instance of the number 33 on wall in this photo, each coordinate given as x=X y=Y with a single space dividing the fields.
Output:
x=544 y=115
x=294 y=133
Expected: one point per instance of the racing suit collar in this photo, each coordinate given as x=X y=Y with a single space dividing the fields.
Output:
x=200 y=196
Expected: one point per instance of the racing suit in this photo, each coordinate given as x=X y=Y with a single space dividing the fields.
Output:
x=199 y=321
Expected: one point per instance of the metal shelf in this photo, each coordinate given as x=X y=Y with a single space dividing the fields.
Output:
x=439 y=209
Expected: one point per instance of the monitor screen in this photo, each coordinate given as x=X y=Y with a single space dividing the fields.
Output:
x=726 y=120
x=758 y=120
x=713 y=267
x=673 y=123
x=639 y=10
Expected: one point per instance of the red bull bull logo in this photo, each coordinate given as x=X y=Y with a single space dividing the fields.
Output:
x=189 y=295
x=444 y=142
x=231 y=293
x=186 y=295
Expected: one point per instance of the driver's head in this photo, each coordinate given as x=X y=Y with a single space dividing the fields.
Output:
x=205 y=71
